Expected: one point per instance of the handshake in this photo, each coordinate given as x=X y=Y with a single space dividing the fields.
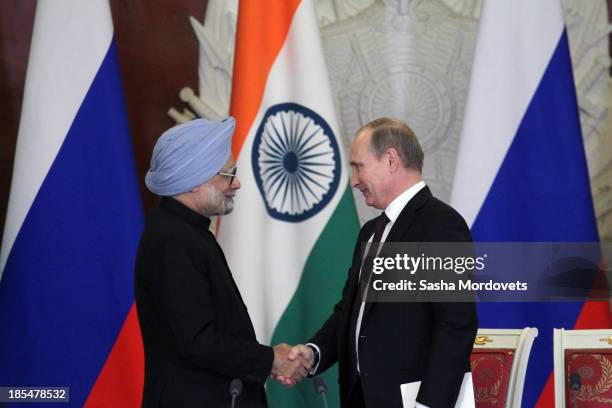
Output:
x=291 y=364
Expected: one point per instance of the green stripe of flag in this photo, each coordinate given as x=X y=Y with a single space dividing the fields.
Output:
x=318 y=291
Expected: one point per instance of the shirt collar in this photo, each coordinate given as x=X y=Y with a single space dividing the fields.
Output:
x=396 y=206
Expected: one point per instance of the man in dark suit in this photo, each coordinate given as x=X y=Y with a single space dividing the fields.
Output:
x=196 y=330
x=381 y=346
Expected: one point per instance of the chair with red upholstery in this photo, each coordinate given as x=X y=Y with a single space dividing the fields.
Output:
x=583 y=368
x=499 y=363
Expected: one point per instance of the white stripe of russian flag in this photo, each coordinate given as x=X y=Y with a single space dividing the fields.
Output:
x=69 y=42
x=510 y=31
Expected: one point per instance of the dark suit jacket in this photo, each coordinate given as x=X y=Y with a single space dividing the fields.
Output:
x=404 y=342
x=196 y=330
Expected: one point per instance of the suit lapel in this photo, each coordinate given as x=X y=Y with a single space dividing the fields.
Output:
x=400 y=230
x=365 y=234
x=362 y=240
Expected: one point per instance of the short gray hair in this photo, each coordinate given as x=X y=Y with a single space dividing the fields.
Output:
x=390 y=133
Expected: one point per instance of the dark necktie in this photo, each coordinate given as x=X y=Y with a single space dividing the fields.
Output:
x=366 y=271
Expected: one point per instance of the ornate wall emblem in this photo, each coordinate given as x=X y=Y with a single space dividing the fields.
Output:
x=410 y=60
x=588 y=30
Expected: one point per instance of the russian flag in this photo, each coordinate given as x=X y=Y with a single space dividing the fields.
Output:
x=74 y=218
x=521 y=174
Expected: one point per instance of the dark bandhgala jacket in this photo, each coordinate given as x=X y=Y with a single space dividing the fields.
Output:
x=404 y=342
x=196 y=330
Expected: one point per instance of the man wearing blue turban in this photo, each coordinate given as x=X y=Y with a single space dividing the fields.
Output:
x=196 y=330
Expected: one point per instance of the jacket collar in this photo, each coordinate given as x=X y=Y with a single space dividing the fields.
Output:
x=184 y=212
x=408 y=214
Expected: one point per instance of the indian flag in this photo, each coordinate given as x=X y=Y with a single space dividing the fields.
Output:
x=290 y=238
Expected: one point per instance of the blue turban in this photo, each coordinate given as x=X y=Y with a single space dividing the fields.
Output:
x=188 y=155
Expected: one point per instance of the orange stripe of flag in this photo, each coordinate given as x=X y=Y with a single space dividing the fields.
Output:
x=260 y=35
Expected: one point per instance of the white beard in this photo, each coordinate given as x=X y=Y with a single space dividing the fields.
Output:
x=217 y=203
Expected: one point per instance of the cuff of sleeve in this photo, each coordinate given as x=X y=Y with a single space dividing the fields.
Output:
x=264 y=369
x=316 y=367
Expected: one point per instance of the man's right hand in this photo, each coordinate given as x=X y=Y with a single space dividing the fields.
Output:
x=290 y=364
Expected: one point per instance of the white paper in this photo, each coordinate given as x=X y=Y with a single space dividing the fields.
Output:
x=409 y=393
x=464 y=400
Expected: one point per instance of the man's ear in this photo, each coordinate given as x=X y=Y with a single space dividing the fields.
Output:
x=393 y=159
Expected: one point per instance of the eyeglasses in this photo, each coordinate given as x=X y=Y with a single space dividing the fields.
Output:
x=231 y=173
